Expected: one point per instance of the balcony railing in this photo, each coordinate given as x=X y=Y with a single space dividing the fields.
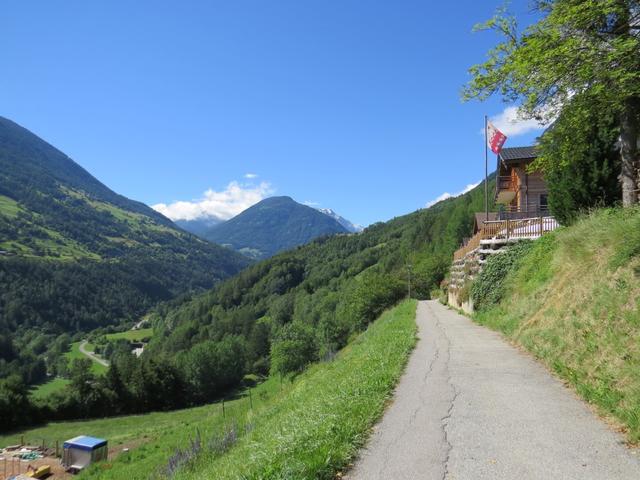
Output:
x=470 y=246
x=507 y=229
x=520 y=228
x=531 y=210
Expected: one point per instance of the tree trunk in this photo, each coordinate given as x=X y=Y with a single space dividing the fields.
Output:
x=629 y=129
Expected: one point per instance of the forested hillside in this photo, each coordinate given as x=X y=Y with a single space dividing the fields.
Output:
x=274 y=317
x=74 y=255
x=273 y=225
x=305 y=304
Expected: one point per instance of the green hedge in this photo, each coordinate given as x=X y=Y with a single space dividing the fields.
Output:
x=488 y=288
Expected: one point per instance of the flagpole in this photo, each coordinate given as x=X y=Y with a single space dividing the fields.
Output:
x=486 y=173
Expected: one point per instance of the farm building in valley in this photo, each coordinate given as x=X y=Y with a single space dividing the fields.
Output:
x=80 y=452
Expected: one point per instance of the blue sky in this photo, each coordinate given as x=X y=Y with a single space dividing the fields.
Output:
x=352 y=105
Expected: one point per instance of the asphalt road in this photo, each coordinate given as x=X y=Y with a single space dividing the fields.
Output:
x=470 y=406
x=91 y=355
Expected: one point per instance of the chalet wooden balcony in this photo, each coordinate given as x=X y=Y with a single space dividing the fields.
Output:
x=506 y=188
x=530 y=210
x=505 y=231
x=507 y=183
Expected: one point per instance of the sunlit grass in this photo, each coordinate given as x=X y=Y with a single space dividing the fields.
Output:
x=45 y=389
x=74 y=353
x=131 y=335
x=310 y=427
x=575 y=303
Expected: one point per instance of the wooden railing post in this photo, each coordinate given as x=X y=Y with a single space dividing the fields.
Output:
x=541 y=226
x=508 y=227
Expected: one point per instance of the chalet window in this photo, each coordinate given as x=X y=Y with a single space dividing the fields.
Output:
x=544 y=204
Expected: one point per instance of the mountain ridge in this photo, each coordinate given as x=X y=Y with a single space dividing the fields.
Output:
x=75 y=255
x=273 y=225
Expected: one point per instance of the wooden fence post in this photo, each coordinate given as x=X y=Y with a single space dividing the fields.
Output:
x=508 y=227
x=541 y=226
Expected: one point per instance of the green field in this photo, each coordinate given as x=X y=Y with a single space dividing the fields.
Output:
x=9 y=207
x=57 y=384
x=309 y=428
x=131 y=335
x=45 y=389
x=75 y=352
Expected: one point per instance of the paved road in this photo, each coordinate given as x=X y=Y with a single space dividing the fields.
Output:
x=91 y=355
x=470 y=406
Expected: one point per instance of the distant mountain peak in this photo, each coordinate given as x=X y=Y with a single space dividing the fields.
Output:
x=273 y=225
x=352 y=227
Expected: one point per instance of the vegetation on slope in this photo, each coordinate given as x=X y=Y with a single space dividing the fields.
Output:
x=74 y=255
x=574 y=301
x=274 y=317
x=305 y=304
x=273 y=225
x=306 y=429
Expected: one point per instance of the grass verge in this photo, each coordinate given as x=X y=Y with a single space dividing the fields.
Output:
x=307 y=428
x=574 y=302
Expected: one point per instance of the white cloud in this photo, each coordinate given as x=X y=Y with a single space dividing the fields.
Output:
x=446 y=195
x=309 y=203
x=250 y=176
x=222 y=205
x=510 y=123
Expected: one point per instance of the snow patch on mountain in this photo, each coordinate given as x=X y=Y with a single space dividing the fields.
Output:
x=352 y=227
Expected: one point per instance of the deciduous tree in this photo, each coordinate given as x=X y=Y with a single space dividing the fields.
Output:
x=576 y=48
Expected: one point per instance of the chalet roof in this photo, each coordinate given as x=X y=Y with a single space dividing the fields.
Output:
x=516 y=154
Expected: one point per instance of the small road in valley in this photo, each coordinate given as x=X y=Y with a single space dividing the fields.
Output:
x=91 y=355
x=470 y=406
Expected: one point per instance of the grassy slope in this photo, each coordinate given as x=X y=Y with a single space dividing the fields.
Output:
x=308 y=428
x=316 y=430
x=43 y=390
x=56 y=384
x=9 y=207
x=574 y=302
x=96 y=368
x=131 y=335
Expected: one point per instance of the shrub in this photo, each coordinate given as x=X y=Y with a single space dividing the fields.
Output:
x=372 y=295
x=488 y=288
x=292 y=349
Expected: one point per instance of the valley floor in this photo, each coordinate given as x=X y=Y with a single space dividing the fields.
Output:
x=470 y=406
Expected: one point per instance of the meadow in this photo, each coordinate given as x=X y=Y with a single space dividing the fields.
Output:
x=308 y=426
x=131 y=335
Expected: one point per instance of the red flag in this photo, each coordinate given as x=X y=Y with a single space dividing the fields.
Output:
x=495 y=138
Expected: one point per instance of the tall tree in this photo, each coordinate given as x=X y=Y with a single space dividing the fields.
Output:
x=580 y=156
x=576 y=48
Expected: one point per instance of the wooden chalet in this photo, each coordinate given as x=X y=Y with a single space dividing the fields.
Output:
x=521 y=204
x=519 y=193
x=522 y=214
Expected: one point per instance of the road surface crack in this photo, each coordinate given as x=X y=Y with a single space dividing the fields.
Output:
x=445 y=420
x=445 y=432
